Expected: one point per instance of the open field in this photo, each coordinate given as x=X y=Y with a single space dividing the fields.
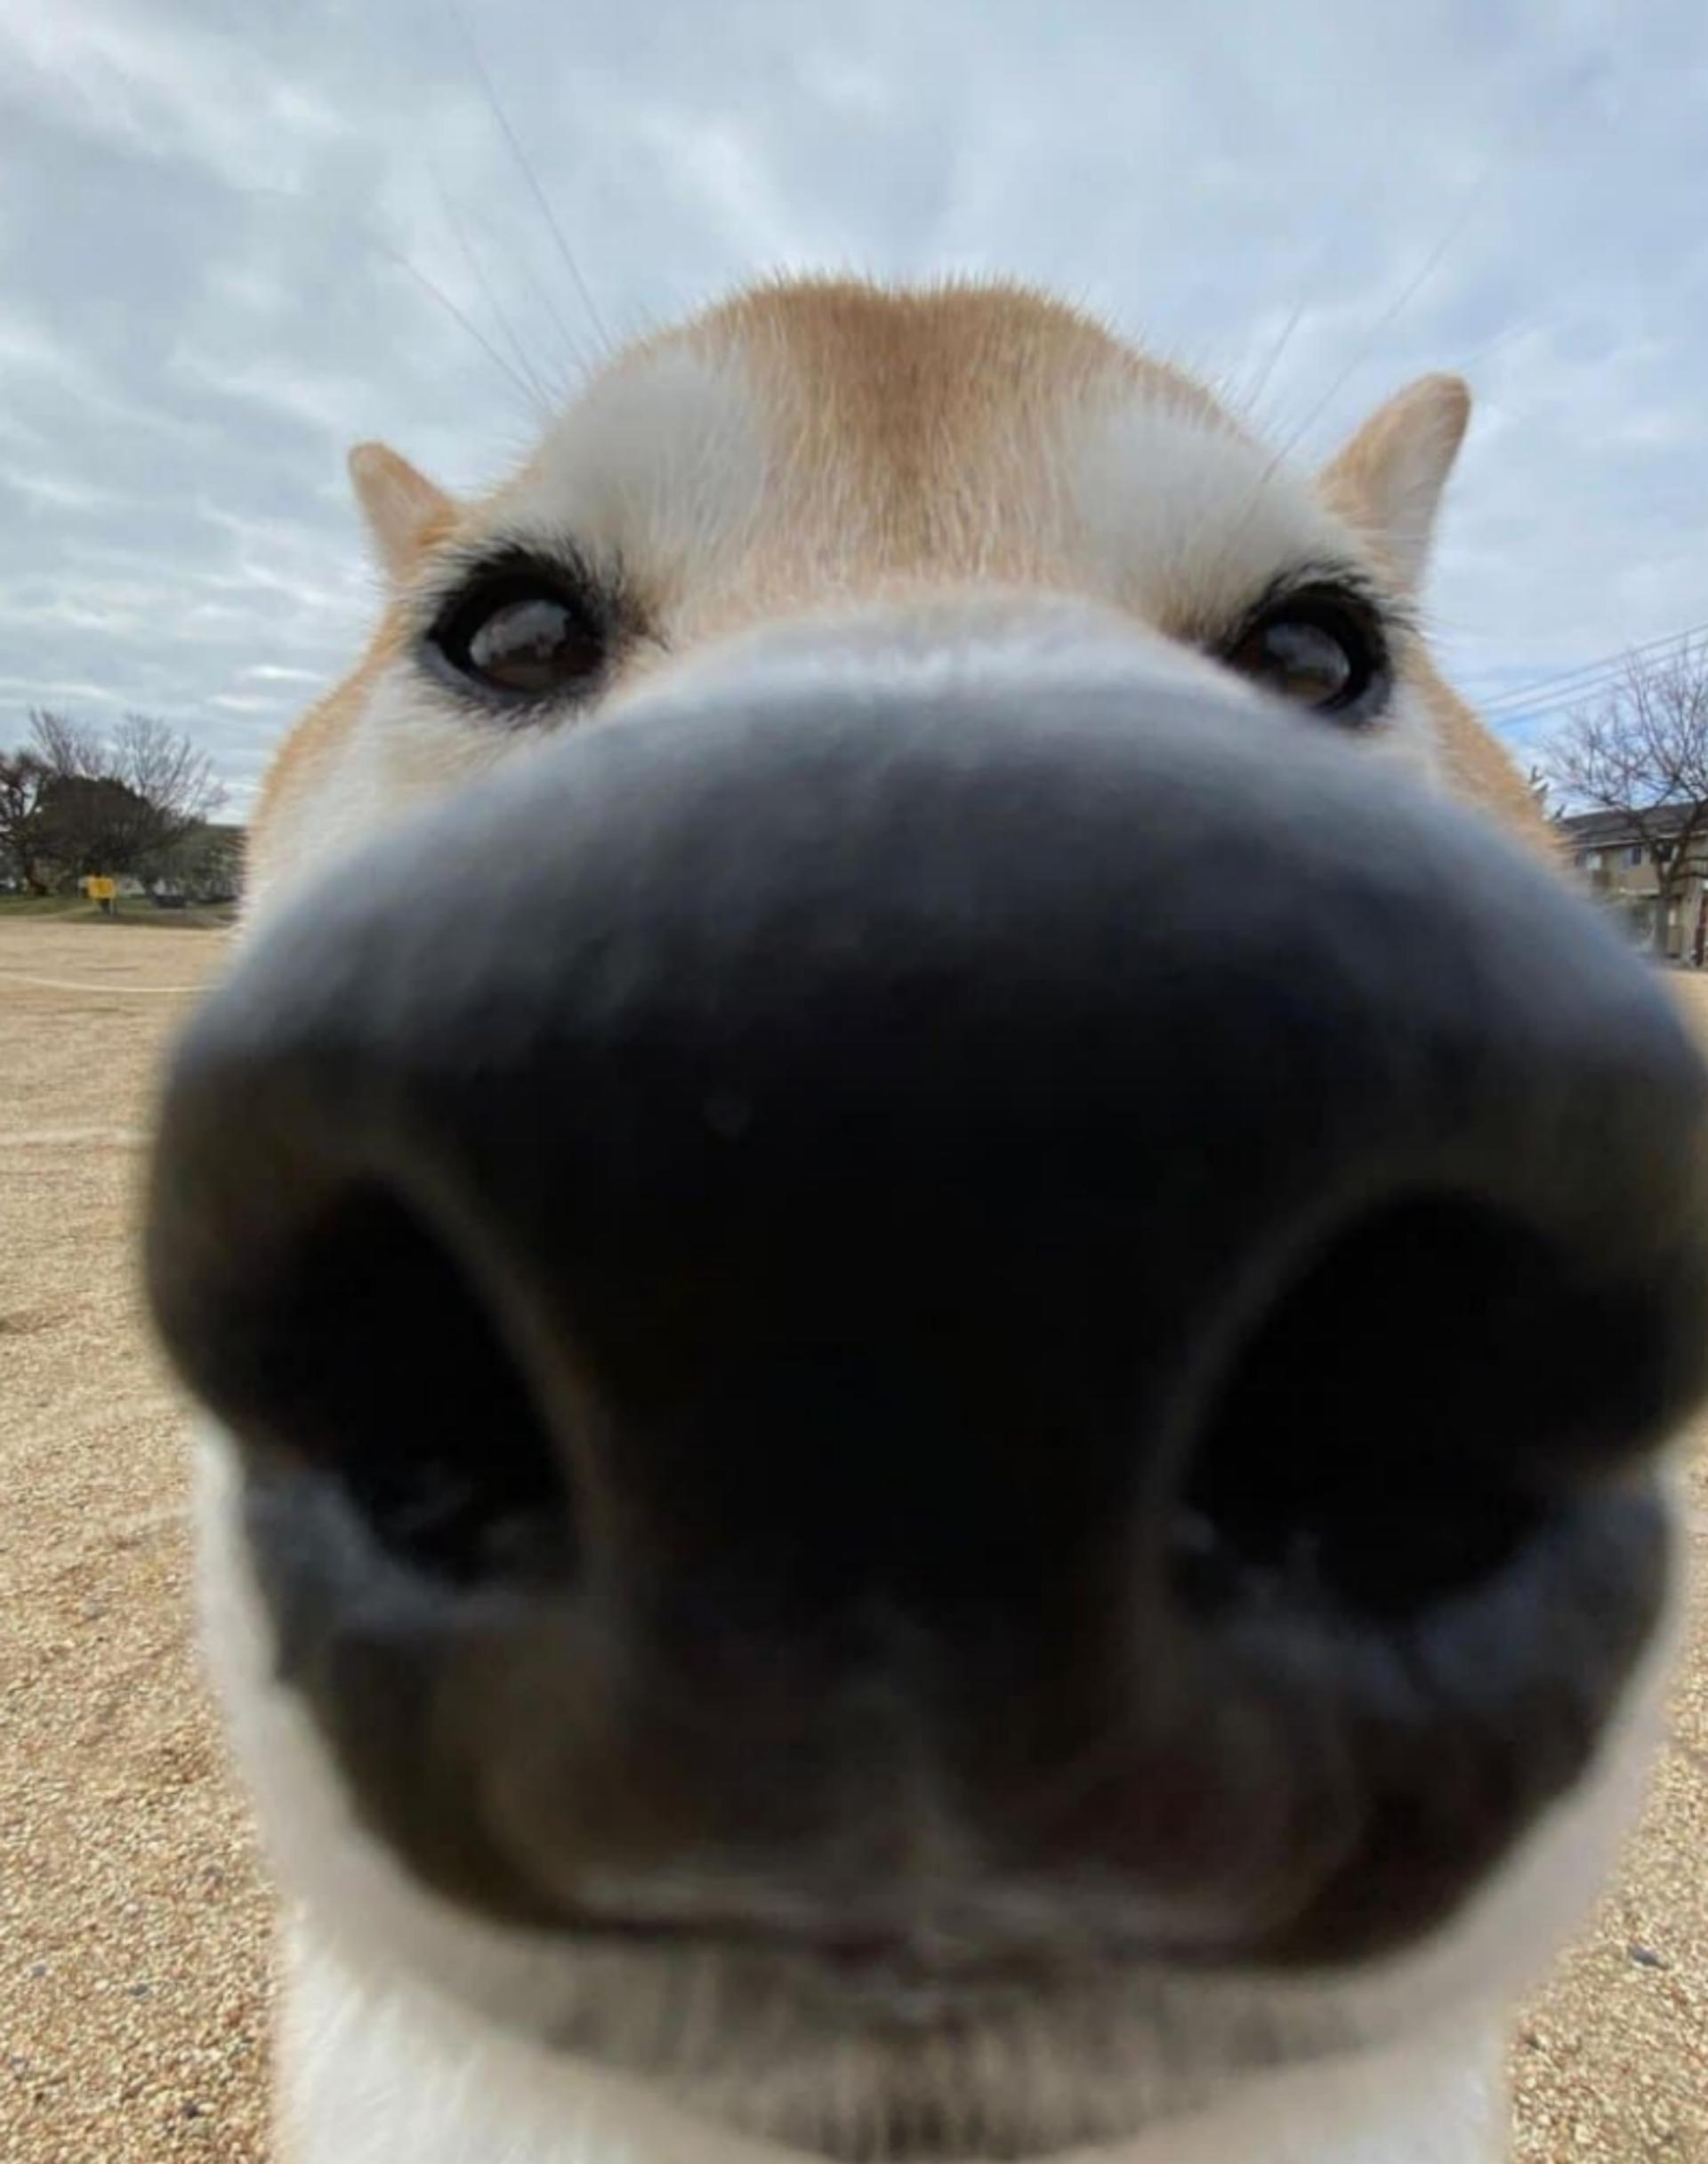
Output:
x=133 y=1923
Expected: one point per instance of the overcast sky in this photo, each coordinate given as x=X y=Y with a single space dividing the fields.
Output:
x=219 y=220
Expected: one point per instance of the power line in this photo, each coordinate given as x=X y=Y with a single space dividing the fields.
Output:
x=1589 y=676
x=1605 y=661
x=1606 y=669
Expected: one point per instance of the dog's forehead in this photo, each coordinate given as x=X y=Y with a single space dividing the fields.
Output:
x=812 y=440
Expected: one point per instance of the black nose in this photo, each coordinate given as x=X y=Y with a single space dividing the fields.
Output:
x=1106 y=1193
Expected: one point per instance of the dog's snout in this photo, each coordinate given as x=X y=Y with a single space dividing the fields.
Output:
x=1112 y=1193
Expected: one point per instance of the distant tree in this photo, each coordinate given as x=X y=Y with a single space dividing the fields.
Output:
x=1641 y=749
x=207 y=864
x=163 y=770
x=25 y=821
x=74 y=802
x=95 y=824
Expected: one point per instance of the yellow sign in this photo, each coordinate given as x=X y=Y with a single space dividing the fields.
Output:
x=101 y=890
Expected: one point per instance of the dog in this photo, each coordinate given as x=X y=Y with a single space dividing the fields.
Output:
x=938 y=1289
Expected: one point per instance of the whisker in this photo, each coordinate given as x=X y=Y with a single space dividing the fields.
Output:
x=1362 y=350
x=366 y=237
x=488 y=294
x=527 y=169
x=567 y=360
x=1366 y=346
x=530 y=390
x=1501 y=338
x=1249 y=398
x=1522 y=149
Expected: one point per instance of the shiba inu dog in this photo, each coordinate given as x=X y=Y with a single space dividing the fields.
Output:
x=936 y=1307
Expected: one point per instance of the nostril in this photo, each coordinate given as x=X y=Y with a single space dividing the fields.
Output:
x=1408 y=1411
x=371 y=1357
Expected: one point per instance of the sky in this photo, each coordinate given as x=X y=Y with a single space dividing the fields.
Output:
x=237 y=236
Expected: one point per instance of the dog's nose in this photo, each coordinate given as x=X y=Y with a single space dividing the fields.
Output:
x=1086 y=1180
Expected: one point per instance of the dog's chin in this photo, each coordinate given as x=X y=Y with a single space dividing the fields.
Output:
x=858 y=2051
x=805 y=2054
x=894 y=2060
x=911 y=2066
x=736 y=2055
x=851 y=2048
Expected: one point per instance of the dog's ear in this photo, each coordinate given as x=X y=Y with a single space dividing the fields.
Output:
x=1389 y=478
x=405 y=512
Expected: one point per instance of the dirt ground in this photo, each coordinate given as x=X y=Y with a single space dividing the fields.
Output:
x=133 y=1920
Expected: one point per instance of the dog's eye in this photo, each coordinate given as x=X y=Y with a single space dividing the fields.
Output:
x=1320 y=648
x=521 y=635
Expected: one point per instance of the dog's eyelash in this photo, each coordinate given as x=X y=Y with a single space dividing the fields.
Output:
x=1395 y=617
x=603 y=590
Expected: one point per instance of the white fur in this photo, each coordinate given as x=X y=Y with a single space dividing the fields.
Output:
x=1187 y=519
x=661 y=466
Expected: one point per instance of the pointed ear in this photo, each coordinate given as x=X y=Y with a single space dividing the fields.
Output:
x=403 y=509
x=1389 y=478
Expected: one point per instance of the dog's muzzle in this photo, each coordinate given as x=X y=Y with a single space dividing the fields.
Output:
x=915 y=1302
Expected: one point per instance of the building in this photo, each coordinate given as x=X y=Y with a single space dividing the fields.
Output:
x=1617 y=862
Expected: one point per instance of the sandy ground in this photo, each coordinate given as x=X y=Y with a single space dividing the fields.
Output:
x=133 y=1920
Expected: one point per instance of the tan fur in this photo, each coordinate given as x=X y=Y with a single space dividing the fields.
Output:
x=406 y=512
x=1475 y=768
x=927 y=425
x=1388 y=480
x=303 y=760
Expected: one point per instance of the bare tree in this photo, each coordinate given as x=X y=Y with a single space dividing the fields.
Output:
x=66 y=748
x=1642 y=750
x=163 y=770
x=117 y=803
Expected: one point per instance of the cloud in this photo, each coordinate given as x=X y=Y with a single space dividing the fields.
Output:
x=233 y=239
